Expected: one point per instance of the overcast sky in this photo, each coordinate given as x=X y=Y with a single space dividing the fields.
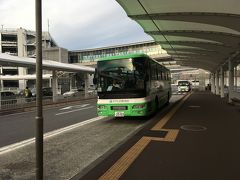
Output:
x=75 y=24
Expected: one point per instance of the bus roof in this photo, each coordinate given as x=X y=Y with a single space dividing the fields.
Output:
x=127 y=56
x=123 y=57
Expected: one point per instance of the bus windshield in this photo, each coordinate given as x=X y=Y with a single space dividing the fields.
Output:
x=183 y=83
x=121 y=75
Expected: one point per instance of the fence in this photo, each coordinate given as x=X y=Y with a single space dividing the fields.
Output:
x=21 y=102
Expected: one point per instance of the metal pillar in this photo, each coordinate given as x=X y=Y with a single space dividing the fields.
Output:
x=86 y=84
x=54 y=85
x=213 y=83
x=235 y=77
x=39 y=115
x=222 y=82
x=217 y=83
x=231 y=80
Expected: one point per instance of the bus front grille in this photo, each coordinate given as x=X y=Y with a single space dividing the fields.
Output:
x=119 y=107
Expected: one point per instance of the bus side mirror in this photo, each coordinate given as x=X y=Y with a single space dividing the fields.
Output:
x=95 y=75
x=94 y=80
x=146 y=78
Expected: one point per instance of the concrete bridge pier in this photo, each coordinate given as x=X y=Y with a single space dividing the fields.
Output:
x=86 y=80
x=54 y=85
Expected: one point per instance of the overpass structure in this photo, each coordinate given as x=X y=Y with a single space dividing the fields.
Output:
x=202 y=34
x=9 y=60
x=89 y=57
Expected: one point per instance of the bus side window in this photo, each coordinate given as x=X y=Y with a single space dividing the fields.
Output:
x=164 y=75
x=159 y=73
x=153 y=71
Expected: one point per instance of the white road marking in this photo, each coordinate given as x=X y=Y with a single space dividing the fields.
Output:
x=65 y=108
x=74 y=110
x=84 y=105
x=76 y=106
x=18 y=145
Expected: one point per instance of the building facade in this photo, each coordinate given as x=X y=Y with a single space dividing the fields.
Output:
x=150 y=48
x=21 y=42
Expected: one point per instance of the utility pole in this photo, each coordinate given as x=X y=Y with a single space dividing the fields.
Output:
x=39 y=115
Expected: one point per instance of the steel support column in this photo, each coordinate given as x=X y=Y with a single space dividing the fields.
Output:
x=222 y=82
x=235 y=77
x=230 y=80
x=217 y=83
x=213 y=83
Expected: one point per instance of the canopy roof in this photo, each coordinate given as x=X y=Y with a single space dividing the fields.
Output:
x=203 y=34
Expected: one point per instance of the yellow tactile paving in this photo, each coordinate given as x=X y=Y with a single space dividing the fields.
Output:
x=126 y=160
x=170 y=137
x=168 y=116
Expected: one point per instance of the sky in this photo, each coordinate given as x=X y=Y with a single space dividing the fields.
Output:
x=75 y=24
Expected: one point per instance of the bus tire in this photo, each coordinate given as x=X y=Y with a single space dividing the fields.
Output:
x=168 y=98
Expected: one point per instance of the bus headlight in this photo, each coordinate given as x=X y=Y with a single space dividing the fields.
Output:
x=138 y=106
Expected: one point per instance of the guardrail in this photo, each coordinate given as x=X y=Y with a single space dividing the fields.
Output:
x=21 y=102
x=236 y=88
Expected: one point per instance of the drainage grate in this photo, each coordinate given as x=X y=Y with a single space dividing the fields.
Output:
x=193 y=128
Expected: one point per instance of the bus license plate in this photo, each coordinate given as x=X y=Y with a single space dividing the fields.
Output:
x=119 y=114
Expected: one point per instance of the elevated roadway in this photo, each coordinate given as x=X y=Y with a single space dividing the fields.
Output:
x=8 y=60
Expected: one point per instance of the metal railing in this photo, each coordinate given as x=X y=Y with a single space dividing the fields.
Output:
x=22 y=102
x=236 y=88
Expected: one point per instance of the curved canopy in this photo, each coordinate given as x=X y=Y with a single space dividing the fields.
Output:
x=203 y=34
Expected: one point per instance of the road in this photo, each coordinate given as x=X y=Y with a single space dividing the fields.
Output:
x=71 y=150
x=21 y=126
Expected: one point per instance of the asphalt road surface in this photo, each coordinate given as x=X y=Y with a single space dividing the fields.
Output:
x=75 y=139
x=21 y=126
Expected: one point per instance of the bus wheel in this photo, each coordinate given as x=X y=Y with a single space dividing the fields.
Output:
x=168 y=98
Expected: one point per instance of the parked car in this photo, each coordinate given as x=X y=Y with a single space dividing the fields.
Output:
x=8 y=97
x=46 y=91
x=20 y=93
x=73 y=93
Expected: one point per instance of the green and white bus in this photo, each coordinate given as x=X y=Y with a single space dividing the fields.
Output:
x=131 y=85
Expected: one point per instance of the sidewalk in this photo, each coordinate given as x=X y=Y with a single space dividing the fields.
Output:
x=198 y=142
